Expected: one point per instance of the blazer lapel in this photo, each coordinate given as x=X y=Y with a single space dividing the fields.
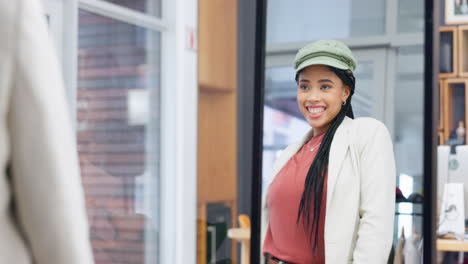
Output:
x=338 y=150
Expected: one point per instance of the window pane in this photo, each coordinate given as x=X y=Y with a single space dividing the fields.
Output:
x=151 y=7
x=410 y=16
x=363 y=98
x=304 y=20
x=118 y=110
x=408 y=143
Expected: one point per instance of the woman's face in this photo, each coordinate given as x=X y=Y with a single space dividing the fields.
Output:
x=320 y=95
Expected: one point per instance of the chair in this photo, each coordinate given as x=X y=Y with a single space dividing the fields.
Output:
x=242 y=234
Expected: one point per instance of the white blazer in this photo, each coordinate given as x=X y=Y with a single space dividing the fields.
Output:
x=42 y=211
x=360 y=203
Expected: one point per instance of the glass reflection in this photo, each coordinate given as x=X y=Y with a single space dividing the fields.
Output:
x=118 y=137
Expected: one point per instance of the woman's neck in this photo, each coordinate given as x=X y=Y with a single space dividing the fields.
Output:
x=319 y=132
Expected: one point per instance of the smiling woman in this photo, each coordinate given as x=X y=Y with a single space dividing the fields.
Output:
x=331 y=199
x=320 y=95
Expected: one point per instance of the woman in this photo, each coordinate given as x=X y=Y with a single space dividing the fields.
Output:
x=332 y=196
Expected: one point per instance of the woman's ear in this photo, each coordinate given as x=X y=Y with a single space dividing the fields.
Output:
x=346 y=92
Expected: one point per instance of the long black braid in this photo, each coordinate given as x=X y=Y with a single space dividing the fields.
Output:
x=313 y=185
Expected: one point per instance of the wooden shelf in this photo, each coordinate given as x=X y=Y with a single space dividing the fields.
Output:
x=452 y=245
x=448 y=52
x=440 y=132
x=454 y=95
x=463 y=54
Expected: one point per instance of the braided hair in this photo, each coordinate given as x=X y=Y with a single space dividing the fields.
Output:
x=313 y=185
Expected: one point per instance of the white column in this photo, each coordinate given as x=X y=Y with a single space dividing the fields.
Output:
x=179 y=134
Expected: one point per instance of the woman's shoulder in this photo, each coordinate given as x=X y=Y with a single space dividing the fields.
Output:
x=366 y=130
x=368 y=125
x=368 y=122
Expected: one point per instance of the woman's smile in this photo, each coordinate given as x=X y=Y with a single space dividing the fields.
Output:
x=316 y=111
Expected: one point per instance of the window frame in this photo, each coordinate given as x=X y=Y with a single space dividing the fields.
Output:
x=178 y=174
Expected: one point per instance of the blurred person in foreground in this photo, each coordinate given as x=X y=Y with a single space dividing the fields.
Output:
x=42 y=212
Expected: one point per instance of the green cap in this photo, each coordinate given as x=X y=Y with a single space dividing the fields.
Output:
x=325 y=52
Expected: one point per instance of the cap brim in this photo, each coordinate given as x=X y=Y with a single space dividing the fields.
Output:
x=323 y=60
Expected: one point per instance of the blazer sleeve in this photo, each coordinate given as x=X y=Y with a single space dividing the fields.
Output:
x=46 y=184
x=377 y=199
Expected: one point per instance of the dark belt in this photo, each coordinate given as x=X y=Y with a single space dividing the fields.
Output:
x=269 y=259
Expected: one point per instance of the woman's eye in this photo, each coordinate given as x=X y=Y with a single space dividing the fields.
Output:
x=304 y=87
x=325 y=87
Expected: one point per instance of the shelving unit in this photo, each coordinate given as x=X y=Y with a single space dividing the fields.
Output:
x=453 y=80
x=453 y=84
